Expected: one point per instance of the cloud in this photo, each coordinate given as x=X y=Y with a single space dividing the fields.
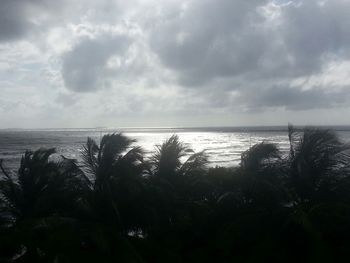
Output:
x=13 y=20
x=243 y=45
x=66 y=100
x=85 y=67
x=294 y=98
x=147 y=59
x=22 y=18
x=218 y=39
x=315 y=32
x=210 y=39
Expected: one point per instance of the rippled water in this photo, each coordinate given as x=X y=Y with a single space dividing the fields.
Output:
x=223 y=145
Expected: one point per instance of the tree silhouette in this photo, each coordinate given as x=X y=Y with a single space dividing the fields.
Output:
x=318 y=164
x=39 y=194
x=117 y=206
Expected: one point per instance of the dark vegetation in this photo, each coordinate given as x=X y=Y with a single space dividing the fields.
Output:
x=116 y=206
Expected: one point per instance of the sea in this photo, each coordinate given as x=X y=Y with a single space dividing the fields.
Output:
x=223 y=145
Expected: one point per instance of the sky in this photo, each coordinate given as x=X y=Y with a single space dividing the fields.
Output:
x=174 y=63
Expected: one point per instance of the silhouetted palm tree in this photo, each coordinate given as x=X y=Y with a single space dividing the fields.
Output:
x=257 y=182
x=260 y=156
x=40 y=193
x=174 y=175
x=318 y=163
x=113 y=206
x=116 y=207
x=115 y=170
x=109 y=159
x=167 y=160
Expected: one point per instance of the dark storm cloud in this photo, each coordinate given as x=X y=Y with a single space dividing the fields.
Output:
x=85 y=66
x=13 y=20
x=314 y=30
x=210 y=39
x=294 y=98
x=211 y=42
x=223 y=38
x=18 y=18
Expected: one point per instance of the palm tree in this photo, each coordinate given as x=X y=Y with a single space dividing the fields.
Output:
x=258 y=179
x=113 y=168
x=167 y=160
x=174 y=176
x=260 y=156
x=104 y=162
x=318 y=163
x=114 y=206
x=42 y=191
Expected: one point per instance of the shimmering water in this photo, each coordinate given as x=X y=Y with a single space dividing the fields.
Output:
x=223 y=145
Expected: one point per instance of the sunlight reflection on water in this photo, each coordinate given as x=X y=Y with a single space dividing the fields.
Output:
x=223 y=148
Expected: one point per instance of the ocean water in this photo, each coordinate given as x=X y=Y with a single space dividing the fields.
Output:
x=223 y=145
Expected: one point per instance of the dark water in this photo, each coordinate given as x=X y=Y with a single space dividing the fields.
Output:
x=223 y=145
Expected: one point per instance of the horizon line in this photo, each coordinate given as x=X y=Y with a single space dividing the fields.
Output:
x=175 y=127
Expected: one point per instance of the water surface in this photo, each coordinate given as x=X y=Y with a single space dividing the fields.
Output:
x=223 y=145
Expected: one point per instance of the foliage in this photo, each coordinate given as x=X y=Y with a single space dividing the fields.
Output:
x=115 y=205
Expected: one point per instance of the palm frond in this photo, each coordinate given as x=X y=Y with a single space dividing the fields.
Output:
x=320 y=160
x=111 y=146
x=4 y=171
x=322 y=149
x=89 y=158
x=134 y=155
x=10 y=196
x=130 y=164
x=259 y=155
x=35 y=168
x=292 y=136
x=72 y=173
x=42 y=155
x=167 y=157
x=197 y=162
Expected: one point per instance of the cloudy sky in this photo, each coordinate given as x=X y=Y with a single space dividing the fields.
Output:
x=112 y=63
